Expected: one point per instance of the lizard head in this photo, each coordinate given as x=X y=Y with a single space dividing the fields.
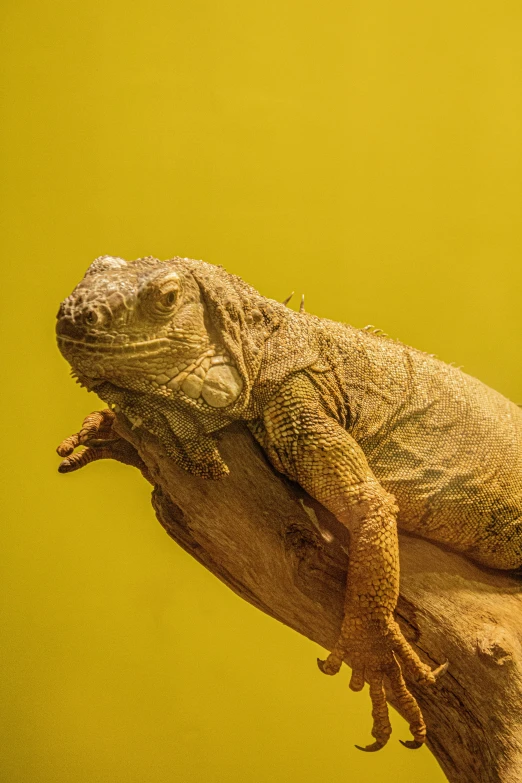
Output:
x=179 y=328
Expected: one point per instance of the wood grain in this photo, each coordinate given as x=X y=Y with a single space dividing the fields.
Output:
x=277 y=548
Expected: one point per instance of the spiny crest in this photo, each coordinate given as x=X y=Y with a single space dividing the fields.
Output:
x=301 y=305
x=371 y=329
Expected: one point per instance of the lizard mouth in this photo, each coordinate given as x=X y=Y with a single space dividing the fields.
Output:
x=145 y=346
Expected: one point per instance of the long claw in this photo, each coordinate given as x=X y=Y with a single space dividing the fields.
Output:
x=411 y=744
x=323 y=666
x=331 y=665
x=440 y=670
x=371 y=748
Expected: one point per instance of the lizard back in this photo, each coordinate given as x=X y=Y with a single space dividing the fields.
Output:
x=445 y=444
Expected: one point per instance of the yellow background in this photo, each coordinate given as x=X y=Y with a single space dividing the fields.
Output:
x=368 y=154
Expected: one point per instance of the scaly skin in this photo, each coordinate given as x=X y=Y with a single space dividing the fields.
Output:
x=383 y=435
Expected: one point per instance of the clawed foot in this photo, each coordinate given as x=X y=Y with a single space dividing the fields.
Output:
x=374 y=650
x=101 y=442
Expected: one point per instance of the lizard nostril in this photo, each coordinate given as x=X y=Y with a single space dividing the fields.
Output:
x=90 y=317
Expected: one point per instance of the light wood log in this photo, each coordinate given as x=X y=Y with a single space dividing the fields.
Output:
x=277 y=548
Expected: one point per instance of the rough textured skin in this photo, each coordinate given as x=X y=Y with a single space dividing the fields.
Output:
x=381 y=434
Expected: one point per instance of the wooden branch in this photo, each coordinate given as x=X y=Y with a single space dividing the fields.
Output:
x=283 y=552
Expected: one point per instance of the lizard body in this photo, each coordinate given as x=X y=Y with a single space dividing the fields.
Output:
x=382 y=434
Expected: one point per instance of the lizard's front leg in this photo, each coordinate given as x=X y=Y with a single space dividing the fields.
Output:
x=197 y=452
x=313 y=449
x=101 y=442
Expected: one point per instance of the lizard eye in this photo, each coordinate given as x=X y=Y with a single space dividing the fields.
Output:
x=161 y=295
x=168 y=299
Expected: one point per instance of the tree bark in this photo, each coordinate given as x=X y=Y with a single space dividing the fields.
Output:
x=279 y=549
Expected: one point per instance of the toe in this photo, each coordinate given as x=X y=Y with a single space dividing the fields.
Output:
x=357 y=680
x=79 y=460
x=407 y=705
x=381 y=720
x=415 y=668
x=97 y=425
x=68 y=445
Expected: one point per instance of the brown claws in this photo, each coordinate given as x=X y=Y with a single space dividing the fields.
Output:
x=412 y=744
x=327 y=668
x=374 y=746
x=440 y=670
x=404 y=698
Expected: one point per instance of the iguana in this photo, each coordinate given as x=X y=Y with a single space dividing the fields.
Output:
x=382 y=434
